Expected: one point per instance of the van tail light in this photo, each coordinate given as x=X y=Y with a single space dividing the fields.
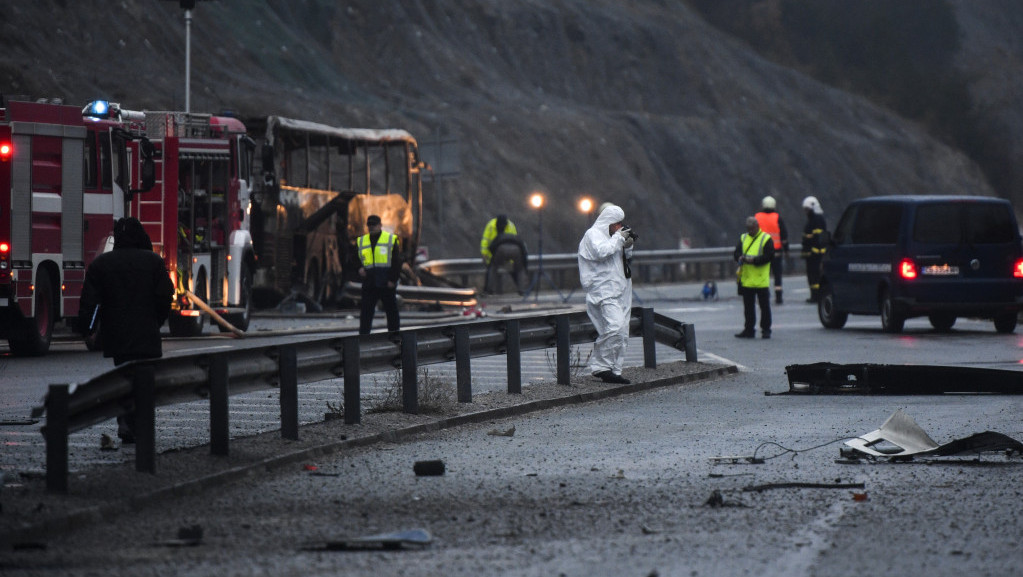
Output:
x=1017 y=269
x=907 y=269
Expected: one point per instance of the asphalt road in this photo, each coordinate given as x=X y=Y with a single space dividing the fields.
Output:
x=629 y=485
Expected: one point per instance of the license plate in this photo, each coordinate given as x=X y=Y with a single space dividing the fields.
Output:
x=941 y=270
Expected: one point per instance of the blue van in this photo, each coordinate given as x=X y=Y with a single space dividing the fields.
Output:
x=941 y=257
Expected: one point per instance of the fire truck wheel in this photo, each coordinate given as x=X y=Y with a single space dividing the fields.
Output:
x=240 y=320
x=182 y=326
x=38 y=330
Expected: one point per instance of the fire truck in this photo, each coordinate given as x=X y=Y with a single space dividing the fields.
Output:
x=197 y=214
x=67 y=174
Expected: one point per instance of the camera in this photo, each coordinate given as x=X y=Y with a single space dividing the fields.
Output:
x=628 y=231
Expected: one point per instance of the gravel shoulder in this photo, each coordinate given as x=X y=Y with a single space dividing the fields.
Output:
x=30 y=514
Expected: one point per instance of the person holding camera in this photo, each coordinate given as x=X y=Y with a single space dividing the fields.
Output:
x=754 y=254
x=606 y=278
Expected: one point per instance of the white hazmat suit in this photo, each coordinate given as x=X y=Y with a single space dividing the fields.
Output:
x=608 y=291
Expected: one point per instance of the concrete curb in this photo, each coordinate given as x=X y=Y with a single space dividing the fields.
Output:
x=29 y=534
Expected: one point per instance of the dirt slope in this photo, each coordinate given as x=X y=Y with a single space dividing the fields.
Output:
x=634 y=101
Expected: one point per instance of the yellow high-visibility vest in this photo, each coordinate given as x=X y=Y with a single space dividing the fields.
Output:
x=379 y=256
x=754 y=276
x=490 y=232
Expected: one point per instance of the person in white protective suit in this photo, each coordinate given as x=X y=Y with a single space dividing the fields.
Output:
x=605 y=277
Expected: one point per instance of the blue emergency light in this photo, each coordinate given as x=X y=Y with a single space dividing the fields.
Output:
x=97 y=109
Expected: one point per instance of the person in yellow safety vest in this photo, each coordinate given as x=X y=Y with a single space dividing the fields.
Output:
x=771 y=223
x=490 y=232
x=815 y=235
x=502 y=248
x=380 y=256
x=753 y=255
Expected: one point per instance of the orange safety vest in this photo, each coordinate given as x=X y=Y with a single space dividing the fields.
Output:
x=769 y=223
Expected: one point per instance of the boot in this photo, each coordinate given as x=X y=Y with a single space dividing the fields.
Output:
x=813 y=296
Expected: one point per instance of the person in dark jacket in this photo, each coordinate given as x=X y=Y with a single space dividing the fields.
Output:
x=814 y=245
x=771 y=223
x=507 y=252
x=380 y=257
x=127 y=295
x=754 y=254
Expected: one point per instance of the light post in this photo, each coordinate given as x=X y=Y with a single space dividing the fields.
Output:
x=586 y=207
x=537 y=201
x=188 y=6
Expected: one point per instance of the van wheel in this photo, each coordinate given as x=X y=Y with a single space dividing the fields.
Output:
x=830 y=317
x=942 y=322
x=1006 y=323
x=891 y=321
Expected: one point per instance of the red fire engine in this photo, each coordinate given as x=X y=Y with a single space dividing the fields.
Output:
x=198 y=216
x=63 y=180
x=66 y=174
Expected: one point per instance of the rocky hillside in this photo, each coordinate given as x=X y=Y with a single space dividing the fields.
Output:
x=639 y=102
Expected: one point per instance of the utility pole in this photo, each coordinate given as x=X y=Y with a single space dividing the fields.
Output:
x=188 y=6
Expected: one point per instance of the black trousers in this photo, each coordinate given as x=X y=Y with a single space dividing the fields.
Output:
x=777 y=268
x=386 y=296
x=750 y=298
x=813 y=271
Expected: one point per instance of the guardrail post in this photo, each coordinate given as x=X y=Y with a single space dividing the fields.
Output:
x=462 y=368
x=409 y=372
x=689 y=336
x=287 y=367
x=144 y=393
x=563 y=330
x=513 y=344
x=649 y=340
x=353 y=409
x=56 y=432
x=219 y=416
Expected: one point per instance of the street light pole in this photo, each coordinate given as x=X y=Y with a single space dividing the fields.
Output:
x=188 y=57
x=188 y=6
x=537 y=201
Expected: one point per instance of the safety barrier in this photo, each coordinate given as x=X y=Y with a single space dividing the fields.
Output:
x=648 y=266
x=139 y=387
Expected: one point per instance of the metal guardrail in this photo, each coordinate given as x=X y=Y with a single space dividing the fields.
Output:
x=139 y=387
x=708 y=263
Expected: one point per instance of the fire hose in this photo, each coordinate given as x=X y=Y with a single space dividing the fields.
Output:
x=213 y=315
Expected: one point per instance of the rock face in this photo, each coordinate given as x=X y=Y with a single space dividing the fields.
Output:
x=992 y=58
x=639 y=102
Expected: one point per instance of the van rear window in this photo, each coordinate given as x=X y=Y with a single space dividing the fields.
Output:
x=989 y=224
x=974 y=223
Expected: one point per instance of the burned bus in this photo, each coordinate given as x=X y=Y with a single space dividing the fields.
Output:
x=318 y=185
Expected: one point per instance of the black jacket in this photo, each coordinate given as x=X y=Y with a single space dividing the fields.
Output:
x=133 y=292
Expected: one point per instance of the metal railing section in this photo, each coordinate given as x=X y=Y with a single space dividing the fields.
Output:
x=709 y=263
x=139 y=387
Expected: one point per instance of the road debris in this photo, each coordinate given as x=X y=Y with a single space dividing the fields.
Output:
x=767 y=486
x=398 y=540
x=716 y=499
x=432 y=468
x=866 y=378
x=499 y=433
x=900 y=438
x=190 y=536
